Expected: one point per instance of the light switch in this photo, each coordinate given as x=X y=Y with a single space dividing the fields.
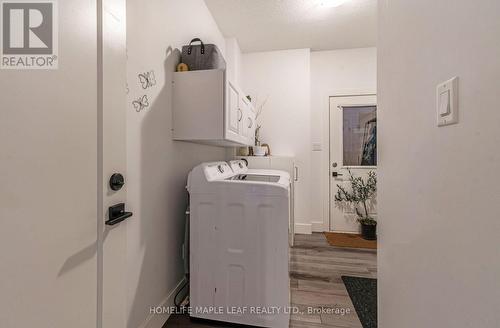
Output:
x=447 y=102
x=444 y=103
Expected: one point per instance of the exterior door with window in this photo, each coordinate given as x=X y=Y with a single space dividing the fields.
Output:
x=353 y=147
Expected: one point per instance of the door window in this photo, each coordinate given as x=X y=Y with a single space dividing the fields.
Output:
x=359 y=135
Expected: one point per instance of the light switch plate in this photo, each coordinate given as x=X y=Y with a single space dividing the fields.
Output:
x=447 y=102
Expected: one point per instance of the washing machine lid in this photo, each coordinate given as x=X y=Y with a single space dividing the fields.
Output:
x=268 y=172
x=243 y=173
x=218 y=177
x=257 y=177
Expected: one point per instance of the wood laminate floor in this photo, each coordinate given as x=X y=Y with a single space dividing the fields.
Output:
x=315 y=273
x=316 y=286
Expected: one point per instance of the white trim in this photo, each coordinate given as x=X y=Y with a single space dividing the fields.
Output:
x=100 y=161
x=158 y=320
x=318 y=226
x=303 y=228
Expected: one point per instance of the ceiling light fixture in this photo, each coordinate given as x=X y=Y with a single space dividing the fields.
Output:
x=332 y=3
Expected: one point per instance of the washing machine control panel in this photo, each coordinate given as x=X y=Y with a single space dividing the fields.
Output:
x=238 y=166
x=218 y=171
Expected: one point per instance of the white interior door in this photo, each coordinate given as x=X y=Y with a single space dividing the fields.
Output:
x=49 y=182
x=353 y=146
x=61 y=135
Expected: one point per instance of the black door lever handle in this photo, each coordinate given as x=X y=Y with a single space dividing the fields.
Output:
x=117 y=214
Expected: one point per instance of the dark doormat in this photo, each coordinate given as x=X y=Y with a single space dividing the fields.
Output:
x=363 y=293
x=184 y=321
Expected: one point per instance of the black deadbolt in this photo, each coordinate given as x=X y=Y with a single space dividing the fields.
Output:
x=116 y=181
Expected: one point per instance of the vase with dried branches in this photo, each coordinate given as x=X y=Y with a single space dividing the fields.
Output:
x=259 y=108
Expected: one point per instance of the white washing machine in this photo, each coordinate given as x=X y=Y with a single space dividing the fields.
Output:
x=239 y=246
x=240 y=166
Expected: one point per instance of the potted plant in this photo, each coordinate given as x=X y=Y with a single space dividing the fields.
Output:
x=361 y=194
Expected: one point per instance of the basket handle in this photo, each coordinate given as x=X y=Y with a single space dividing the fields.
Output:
x=190 y=48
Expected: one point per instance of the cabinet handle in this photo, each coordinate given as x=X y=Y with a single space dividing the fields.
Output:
x=240 y=113
x=296 y=178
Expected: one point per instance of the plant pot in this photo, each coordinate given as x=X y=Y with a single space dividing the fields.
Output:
x=244 y=151
x=259 y=151
x=369 y=231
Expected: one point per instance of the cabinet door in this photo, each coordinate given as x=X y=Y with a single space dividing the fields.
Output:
x=233 y=113
x=249 y=126
x=243 y=123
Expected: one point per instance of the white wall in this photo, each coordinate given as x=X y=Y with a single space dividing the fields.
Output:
x=284 y=76
x=233 y=60
x=333 y=73
x=158 y=166
x=439 y=191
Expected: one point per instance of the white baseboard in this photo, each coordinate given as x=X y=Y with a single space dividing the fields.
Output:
x=157 y=320
x=317 y=226
x=303 y=228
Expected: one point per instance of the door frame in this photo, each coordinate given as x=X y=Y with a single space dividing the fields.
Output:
x=111 y=149
x=327 y=157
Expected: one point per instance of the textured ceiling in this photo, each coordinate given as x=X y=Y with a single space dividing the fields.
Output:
x=263 y=25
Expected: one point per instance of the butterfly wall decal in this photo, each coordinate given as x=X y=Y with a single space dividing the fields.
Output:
x=141 y=103
x=147 y=79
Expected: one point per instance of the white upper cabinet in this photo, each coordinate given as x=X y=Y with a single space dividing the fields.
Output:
x=209 y=109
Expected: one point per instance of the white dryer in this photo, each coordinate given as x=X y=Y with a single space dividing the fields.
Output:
x=239 y=246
